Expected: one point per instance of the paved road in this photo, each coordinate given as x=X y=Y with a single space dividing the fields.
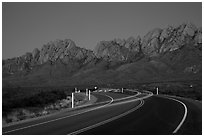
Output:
x=158 y=116
x=64 y=123
x=153 y=115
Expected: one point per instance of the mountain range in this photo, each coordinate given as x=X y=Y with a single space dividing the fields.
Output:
x=173 y=53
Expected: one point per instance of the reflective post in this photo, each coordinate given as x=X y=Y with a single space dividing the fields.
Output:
x=86 y=92
x=157 y=90
x=72 y=100
x=89 y=94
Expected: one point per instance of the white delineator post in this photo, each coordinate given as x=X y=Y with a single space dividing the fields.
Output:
x=72 y=100
x=157 y=90
x=122 y=90
x=89 y=94
x=86 y=92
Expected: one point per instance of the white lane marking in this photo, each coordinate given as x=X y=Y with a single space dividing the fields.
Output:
x=116 y=117
x=182 y=98
x=77 y=107
x=60 y=118
x=135 y=99
x=109 y=102
x=138 y=93
x=184 y=117
x=72 y=115
x=108 y=120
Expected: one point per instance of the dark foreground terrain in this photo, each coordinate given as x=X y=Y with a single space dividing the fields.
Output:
x=34 y=100
x=140 y=114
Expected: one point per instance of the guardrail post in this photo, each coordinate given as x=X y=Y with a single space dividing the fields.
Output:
x=72 y=100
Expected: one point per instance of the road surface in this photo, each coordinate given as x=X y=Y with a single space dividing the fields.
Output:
x=117 y=113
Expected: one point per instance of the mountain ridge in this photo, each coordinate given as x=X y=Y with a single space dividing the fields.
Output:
x=169 y=53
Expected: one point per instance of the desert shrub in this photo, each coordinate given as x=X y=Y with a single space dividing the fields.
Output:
x=39 y=99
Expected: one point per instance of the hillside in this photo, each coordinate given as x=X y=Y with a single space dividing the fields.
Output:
x=170 y=54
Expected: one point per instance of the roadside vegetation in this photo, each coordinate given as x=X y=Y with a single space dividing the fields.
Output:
x=24 y=103
x=187 y=89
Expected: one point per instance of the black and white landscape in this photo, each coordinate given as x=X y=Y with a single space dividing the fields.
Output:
x=147 y=84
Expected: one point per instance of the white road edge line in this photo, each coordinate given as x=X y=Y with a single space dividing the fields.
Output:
x=61 y=117
x=138 y=93
x=116 y=117
x=108 y=120
x=73 y=114
x=120 y=98
x=184 y=117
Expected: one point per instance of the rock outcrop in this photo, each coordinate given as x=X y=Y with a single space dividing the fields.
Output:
x=178 y=46
x=133 y=44
x=111 y=50
x=64 y=50
x=198 y=36
x=160 y=41
x=36 y=54
x=118 y=50
x=151 y=42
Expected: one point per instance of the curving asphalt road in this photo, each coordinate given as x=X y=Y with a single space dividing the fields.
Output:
x=140 y=114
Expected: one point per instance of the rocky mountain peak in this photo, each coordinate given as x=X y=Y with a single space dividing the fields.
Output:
x=36 y=54
x=64 y=50
x=57 y=49
x=190 y=29
x=110 y=50
x=174 y=46
x=118 y=49
x=159 y=41
x=133 y=44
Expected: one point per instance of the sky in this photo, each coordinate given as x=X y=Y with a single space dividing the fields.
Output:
x=26 y=26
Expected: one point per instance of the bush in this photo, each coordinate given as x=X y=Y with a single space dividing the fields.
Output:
x=40 y=99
